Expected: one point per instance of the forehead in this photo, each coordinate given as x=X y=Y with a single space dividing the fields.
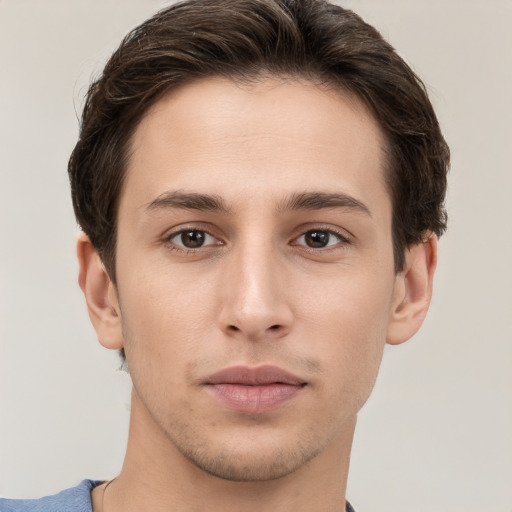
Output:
x=270 y=137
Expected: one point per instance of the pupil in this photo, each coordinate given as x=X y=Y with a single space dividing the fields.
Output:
x=317 y=238
x=192 y=239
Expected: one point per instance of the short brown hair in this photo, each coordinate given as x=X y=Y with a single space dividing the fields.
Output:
x=243 y=39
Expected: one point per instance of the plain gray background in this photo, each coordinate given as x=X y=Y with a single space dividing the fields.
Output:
x=437 y=433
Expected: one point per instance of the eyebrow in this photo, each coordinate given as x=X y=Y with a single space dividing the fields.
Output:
x=188 y=201
x=323 y=200
x=299 y=201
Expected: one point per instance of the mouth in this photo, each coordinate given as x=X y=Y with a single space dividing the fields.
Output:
x=254 y=390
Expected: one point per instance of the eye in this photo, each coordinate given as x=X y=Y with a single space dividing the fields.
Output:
x=192 y=239
x=320 y=238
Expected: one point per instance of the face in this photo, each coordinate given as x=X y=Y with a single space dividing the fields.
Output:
x=255 y=271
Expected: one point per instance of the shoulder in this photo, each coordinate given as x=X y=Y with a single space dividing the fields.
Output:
x=349 y=507
x=75 y=499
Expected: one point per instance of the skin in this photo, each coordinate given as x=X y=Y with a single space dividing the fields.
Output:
x=259 y=291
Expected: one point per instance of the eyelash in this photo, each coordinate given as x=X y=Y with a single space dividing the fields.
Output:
x=342 y=240
x=187 y=250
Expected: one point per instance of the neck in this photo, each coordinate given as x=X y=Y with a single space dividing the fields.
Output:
x=156 y=476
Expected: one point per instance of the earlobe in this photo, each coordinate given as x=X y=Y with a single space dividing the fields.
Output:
x=100 y=295
x=413 y=291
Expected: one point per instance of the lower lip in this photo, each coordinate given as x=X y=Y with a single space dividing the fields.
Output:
x=254 y=399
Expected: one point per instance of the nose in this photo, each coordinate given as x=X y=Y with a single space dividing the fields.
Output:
x=255 y=299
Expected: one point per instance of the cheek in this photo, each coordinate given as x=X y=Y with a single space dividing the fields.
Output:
x=162 y=320
x=160 y=296
x=350 y=322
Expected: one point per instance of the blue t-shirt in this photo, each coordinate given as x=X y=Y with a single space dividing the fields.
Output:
x=76 y=499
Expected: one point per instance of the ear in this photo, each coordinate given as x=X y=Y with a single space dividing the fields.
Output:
x=100 y=295
x=413 y=291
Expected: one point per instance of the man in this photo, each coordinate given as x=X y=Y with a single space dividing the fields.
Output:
x=260 y=185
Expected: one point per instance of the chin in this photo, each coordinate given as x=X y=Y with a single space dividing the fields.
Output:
x=250 y=467
x=251 y=458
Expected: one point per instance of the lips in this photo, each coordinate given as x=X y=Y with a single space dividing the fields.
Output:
x=254 y=390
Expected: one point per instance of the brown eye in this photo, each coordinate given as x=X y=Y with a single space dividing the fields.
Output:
x=320 y=238
x=317 y=239
x=192 y=239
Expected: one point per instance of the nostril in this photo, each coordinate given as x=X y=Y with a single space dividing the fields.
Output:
x=278 y=329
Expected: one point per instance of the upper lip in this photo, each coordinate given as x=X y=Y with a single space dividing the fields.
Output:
x=258 y=376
